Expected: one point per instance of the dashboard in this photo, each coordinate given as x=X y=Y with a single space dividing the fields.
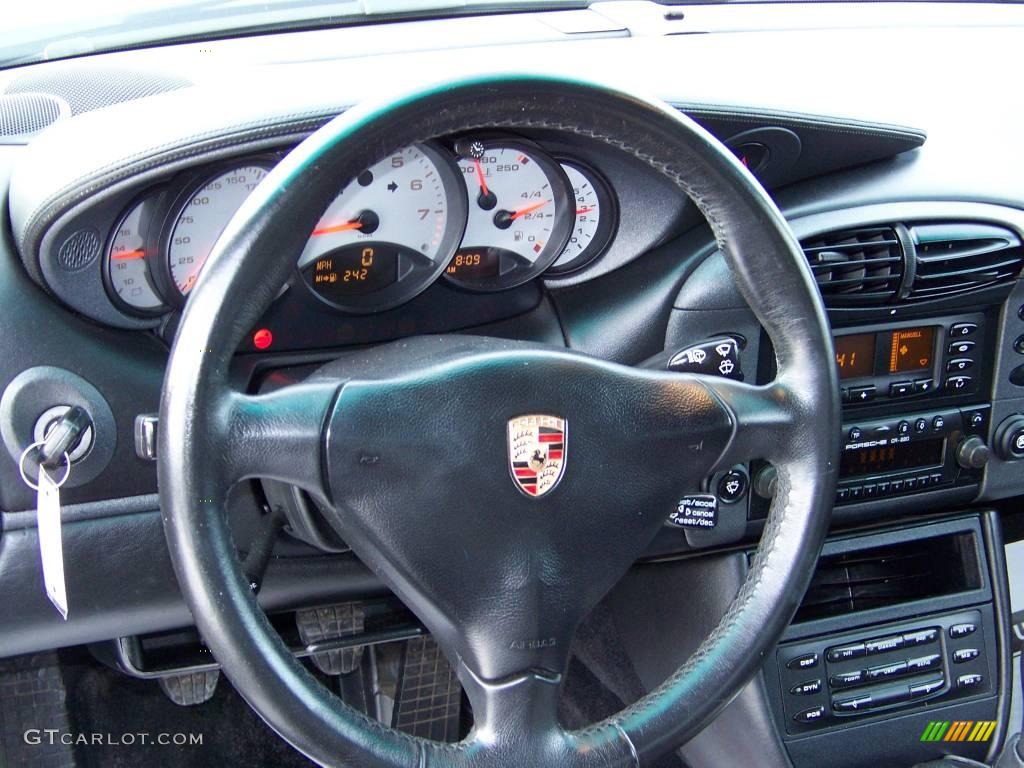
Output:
x=909 y=212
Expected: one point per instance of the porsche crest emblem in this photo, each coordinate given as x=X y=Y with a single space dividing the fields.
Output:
x=536 y=452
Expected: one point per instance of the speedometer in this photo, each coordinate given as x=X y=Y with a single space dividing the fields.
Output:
x=520 y=215
x=388 y=234
x=201 y=220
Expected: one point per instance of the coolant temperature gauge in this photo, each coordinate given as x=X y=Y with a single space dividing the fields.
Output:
x=596 y=216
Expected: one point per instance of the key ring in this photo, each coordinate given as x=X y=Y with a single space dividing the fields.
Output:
x=35 y=486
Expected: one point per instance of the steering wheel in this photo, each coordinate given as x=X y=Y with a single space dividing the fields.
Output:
x=406 y=447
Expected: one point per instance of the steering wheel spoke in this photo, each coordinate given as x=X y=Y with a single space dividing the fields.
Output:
x=764 y=420
x=278 y=435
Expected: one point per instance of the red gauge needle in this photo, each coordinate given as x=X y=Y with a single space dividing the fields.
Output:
x=354 y=224
x=480 y=176
x=128 y=255
x=519 y=212
x=580 y=211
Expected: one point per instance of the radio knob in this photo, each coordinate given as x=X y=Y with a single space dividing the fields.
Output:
x=1009 y=438
x=972 y=453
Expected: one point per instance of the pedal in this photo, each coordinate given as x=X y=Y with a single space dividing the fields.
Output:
x=32 y=697
x=191 y=688
x=428 y=697
x=330 y=623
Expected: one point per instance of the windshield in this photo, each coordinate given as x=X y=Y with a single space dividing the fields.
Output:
x=39 y=31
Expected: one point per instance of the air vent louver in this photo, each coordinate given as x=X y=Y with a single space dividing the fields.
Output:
x=859 y=267
x=961 y=258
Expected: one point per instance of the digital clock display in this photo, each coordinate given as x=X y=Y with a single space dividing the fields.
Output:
x=855 y=355
x=475 y=264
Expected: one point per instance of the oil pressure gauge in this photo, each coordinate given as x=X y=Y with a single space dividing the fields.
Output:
x=128 y=258
x=520 y=214
x=596 y=217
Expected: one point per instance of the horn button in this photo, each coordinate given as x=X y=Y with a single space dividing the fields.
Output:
x=501 y=489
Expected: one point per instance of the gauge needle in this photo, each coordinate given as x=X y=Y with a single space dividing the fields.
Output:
x=128 y=255
x=581 y=211
x=354 y=224
x=480 y=176
x=518 y=212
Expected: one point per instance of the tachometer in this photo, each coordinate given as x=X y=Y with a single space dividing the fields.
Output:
x=201 y=220
x=520 y=215
x=595 y=218
x=128 y=259
x=388 y=234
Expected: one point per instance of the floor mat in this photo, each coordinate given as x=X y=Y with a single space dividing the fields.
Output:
x=32 y=702
x=101 y=701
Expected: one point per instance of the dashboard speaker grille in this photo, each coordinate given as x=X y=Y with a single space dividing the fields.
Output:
x=962 y=258
x=25 y=114
x=86 y=88
x=858 y=267
x=80 y=250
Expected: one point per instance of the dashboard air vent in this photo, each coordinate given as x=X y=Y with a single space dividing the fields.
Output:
x=961 y=258
x=858 y=267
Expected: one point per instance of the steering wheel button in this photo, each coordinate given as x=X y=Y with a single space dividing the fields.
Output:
x=807 y=661
x=812 y=715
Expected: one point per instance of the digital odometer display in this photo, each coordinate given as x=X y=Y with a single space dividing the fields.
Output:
x=353 y=271
x=855 y=355
x=911 y=349
x=891 y=457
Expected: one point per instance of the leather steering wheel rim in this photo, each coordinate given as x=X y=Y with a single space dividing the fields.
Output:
x=212 y=436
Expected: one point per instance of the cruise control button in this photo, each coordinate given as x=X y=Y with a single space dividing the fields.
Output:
x=812 y=715
x=923 y=689
x=806 y=688
x=965 y=654
x=924 y=663
x=969 y=681
x=961 y=347
x=807 y=661
x=854 y=704
x=958 y=330
x=846 y=652
x=883 y=644
x=887 y=670
x=962 y=630
x=846 y=679
x=920 y=637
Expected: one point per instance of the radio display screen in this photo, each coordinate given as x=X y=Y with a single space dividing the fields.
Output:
x=911 y=349
x=855 y=355
x=871 y=460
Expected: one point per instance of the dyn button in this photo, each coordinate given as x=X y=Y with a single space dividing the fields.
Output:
x=806 y=688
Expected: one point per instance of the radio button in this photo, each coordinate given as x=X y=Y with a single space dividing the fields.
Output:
x=923 y=689
x=910 y=484
x=969 y=681
x=936 y=479
x=883 y=645
x=854 y=434
x=887 y=670
x=965 y=654
x=962 y=630
x=903 y=428
x=812 y=715
x=938 y=423
x=920 y=637
x=921 y=425
x=807 y=661
x=870 y=490
x=900 y=388
x=856 y=492
x=847 y=679
x=961 y=347
x=806 y=688
x=883 y=488
x=924 y=385
x=845 y=652
x=856 y=704
x=962 y=329
x=924 y=663
x=958 y=382
x=922 y=481
x=896 y=486
x=959 y=364
x=842 y=494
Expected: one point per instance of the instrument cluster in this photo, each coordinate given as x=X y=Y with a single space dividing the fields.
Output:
x=484 y=213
